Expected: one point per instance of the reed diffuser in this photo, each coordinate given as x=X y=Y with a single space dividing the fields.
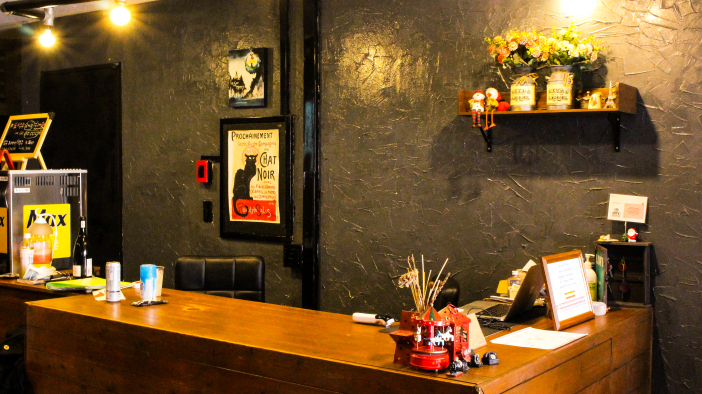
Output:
x=424 y=292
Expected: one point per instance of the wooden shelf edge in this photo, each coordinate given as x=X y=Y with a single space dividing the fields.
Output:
x=626 y=102
x=552 y=112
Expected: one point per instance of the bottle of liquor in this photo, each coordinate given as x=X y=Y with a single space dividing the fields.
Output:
x=82 y=261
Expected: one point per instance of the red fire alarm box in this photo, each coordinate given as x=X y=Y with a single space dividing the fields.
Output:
x=204 y=171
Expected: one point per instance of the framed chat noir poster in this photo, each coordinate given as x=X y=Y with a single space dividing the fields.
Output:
x=255 y=178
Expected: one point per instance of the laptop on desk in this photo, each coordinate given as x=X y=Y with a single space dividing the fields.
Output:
x=505 y=311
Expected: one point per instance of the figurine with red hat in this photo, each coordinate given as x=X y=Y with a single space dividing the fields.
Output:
x=494 y=102
x=477 y=106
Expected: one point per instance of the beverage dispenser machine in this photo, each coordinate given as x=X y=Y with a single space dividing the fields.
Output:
x=25 y=194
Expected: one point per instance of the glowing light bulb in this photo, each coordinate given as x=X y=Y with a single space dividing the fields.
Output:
x=47 y=39
x=578 y=7
x=120 y=15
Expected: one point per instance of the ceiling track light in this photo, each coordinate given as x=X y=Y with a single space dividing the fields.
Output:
x=47 y=39
x=35 y=8
x=31 y=13
x=17 y=7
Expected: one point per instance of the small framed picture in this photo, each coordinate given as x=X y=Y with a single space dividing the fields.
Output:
x=256 y=181
x=248 y=77
x=568 y=292
x=625 y=208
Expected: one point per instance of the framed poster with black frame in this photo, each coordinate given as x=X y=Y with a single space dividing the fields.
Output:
x=256 y=179
x=568 y=291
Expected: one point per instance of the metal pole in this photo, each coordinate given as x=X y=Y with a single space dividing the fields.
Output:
x=311 y=166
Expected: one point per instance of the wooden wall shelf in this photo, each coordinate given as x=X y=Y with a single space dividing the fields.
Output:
x=625 y=104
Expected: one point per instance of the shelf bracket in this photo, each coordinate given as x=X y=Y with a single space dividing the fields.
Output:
x=615 y=123
x=487 y=136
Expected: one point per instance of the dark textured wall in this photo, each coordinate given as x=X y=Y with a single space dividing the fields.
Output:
x=174 y=86
x=403 y=174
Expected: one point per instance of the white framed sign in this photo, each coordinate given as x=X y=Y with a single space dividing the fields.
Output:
x=568 y=291
x=625 y=208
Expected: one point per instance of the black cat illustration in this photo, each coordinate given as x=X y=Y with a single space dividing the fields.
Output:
x=242 y=184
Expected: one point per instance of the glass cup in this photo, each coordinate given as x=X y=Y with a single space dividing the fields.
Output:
x=159 y=279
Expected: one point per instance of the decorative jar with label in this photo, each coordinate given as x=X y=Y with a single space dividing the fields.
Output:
x=522 y=95
x=559 y=90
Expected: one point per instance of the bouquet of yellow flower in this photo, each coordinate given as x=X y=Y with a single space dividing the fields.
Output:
x=529 y=49
x=566 y=48
x=518 y=49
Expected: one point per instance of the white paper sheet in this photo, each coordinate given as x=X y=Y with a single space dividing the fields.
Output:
x=538 y=339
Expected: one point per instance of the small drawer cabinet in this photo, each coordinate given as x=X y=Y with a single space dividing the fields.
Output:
x=623 y=273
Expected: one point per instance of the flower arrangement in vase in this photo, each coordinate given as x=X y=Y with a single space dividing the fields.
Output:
x=521 y=51
x=568 y=52
x=524 y=51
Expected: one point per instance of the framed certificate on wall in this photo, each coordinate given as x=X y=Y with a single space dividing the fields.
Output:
x=568 y=291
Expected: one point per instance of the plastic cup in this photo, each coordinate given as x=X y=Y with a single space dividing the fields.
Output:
x=159 y=279
x=148 y=282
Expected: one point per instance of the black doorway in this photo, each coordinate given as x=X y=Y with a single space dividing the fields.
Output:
x=86 y=133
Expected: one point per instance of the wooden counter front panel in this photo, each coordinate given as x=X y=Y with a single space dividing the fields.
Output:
x=13 y=310
x=201 y=343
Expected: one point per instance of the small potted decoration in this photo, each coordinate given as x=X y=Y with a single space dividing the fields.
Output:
x=521 y=51
x=565 y=51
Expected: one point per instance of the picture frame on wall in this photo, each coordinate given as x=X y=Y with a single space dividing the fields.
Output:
x=256 y=179
x=248 y=78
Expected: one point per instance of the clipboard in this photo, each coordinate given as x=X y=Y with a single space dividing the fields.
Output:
x=568 y=291
x=24 y=135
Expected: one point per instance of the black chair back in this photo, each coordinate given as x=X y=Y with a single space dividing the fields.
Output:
x=448 y=294
x=241 y=277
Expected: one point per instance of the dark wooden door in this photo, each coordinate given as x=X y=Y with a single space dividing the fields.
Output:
x=86 y=133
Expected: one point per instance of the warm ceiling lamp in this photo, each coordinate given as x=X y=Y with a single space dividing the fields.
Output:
x=120 y=15
x=47 y=39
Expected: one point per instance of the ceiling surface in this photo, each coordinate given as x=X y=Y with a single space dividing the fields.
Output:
x=10 y=21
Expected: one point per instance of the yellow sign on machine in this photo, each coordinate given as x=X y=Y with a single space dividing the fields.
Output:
x=60 y=219
x=3 y=230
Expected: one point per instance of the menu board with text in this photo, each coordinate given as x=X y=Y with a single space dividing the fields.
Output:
x=24 y=135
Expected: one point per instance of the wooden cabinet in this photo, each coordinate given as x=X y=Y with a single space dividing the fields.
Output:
x=637 y=275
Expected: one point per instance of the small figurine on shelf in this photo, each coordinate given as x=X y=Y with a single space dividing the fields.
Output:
x=631 y=235
x=477 y=106
x=491 y=104
x=584 y=100
x=610 y=98
x=595 y=101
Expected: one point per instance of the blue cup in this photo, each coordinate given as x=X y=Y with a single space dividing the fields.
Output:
x=148 y=282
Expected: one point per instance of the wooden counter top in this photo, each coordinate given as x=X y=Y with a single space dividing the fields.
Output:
x=200 y=343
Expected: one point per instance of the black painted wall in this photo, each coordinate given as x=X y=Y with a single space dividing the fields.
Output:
x=174 y=89
x=403 y=174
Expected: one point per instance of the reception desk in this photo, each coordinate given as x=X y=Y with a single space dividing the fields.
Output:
x=206 y=344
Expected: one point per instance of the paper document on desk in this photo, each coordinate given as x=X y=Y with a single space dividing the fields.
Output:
x=538 y=339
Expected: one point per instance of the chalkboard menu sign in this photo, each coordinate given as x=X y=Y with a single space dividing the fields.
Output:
x=24 y=135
